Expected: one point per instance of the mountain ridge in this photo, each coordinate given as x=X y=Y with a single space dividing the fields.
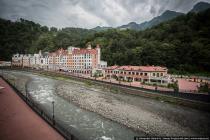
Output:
x=200 y=6
x=165 y=16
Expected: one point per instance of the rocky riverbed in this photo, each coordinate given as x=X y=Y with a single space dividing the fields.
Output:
x=142 y=114
x=150 y=116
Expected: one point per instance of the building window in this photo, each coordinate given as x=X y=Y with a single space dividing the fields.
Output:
x=133 y=73
x=153 y=74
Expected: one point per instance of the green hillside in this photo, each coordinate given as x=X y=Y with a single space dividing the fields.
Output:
x=182 y=44
x=167 y=15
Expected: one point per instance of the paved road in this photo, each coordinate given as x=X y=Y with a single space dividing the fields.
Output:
x=19 y=122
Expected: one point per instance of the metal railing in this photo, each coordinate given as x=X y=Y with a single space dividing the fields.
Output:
x=36 y=107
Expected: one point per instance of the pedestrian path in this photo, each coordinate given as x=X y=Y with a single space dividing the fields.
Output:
x=19 y=122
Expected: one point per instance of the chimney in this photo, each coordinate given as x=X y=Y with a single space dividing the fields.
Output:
x=98 y=55
x=40 y=52
x=97 y=46
x=89 y=46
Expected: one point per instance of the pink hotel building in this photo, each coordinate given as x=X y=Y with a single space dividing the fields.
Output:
x=75 y=60
x=148 y=74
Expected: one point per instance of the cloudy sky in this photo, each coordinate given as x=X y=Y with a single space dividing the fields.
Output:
x=90 y=13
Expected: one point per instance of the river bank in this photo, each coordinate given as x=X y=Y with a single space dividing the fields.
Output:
x=142 y=114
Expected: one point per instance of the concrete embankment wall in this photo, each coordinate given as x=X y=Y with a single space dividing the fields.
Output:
x=198 y=101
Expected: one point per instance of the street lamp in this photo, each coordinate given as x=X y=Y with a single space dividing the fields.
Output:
x=2 y=72
x=26 y=92
x=53 y=113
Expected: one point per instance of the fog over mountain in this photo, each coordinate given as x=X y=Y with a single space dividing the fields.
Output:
x=91 y=13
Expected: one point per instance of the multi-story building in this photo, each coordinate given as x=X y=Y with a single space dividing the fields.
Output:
x=57 y=60
x=84 y=60
x=35 y=60
x=27 y=60
x=17 y=60
x=5 y=63
x=148 y=74
x=44 y=61
x=75 y=60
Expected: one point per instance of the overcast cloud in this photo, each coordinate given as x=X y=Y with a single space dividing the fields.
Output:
x=90 y=13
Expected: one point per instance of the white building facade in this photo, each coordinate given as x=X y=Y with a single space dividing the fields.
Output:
x=75 y=60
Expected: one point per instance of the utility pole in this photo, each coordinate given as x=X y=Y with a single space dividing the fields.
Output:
x=26 y=92
x=22 y=62
x=53 y=113
x=2 y=72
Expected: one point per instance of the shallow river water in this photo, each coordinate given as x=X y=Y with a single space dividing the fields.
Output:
x=148 y=116
x=88 y=125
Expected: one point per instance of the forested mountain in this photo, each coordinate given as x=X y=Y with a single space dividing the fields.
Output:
x=167 y=15
x=18 y=36
x=182 y=43
x=25 y=36
x=201 y=6
x=131 y=25
x=99 y=28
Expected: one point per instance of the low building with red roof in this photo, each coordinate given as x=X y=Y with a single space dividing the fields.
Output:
x=138 y=73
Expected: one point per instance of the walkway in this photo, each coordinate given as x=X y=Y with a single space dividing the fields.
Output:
x=19 y=122
x=188 y=86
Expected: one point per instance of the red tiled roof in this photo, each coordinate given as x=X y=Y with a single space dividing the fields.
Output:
x=59 y=52
x=84 y=51
x=52 y=54
x=112 y=67
x=75 y=51
x=138 y=68
x=97 y=46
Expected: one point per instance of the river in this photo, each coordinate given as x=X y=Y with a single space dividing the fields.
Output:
x=89 y=125
x=73 y=99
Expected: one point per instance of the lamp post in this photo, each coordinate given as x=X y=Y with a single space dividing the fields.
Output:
x=2 y=72
x=26 y=92
x=53 y=113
